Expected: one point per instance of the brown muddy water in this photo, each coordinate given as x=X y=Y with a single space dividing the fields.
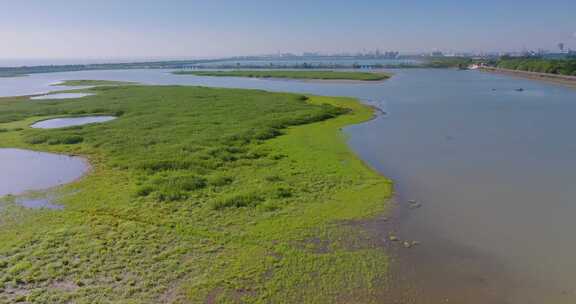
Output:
x=493 y=166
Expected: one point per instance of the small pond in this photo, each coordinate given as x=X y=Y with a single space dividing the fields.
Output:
x=25 y=170
x=61 y=96
x=70 y=121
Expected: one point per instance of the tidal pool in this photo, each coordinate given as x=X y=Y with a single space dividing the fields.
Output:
x=24 y=170
x=70 y=121
x=61 y=96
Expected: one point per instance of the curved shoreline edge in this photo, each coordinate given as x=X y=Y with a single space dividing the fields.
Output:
x=569 y=81
x=83 y=172
x=278 y=255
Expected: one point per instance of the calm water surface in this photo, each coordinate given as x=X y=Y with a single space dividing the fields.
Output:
x=24 y=170
x=493 y=166
x=70 y=121
x=61 y=96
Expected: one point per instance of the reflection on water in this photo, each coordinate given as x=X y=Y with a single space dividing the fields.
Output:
x=493 y=166
x=70 y=121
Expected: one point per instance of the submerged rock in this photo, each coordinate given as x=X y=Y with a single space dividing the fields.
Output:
x=408 y=244
x=414 y=204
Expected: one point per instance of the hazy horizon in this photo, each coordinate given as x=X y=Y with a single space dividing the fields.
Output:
x=108 y=30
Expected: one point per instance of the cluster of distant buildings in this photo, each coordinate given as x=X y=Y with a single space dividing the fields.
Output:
x=374 y=54
x=560 y=53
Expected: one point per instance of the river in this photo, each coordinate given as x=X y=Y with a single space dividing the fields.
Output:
x=492 y=165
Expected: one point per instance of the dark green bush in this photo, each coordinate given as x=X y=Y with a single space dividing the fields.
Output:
x=273 y=178
x=282 y=192
x=237 y=201
x=220 y=180
x=65 y=140
x=37 y=139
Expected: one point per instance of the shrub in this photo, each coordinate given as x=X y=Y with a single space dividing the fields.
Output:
x=220 y=180
x=269 y=206
x=266 y=133
x=273 y=178
x=144 y=190
x=185 y=182
x=65 y=140
x=277 y=156
x=169 y=195
x=282 y=192
x=174 y=187
x=36 y=140
x=237 y=201
x=163 y=165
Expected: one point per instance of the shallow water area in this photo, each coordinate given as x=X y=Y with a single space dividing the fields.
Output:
x=61 y=96
x=70 y=121
x=24 y=170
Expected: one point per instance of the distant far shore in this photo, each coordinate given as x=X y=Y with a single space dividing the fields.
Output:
x=552 y=78
x=307 y=75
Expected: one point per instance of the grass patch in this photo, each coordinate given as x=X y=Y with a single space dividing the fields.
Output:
x=291 y=74
x=196 y=195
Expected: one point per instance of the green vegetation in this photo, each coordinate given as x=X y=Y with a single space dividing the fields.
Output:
x=291 y=74
x=73 y=83
x=551 y=66
x=448 y=62
x=197 y=195
x=170 y=64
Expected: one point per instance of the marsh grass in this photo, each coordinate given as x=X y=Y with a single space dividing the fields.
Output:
x=292 y=74
x=196 y=195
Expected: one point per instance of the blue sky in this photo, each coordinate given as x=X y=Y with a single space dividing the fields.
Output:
x=178 y=28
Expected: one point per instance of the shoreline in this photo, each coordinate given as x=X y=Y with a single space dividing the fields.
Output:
x=417 y=272
x=87 y=170
x=564 y=80
x=297 y=75
x=326 y=81
x=296 y=236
